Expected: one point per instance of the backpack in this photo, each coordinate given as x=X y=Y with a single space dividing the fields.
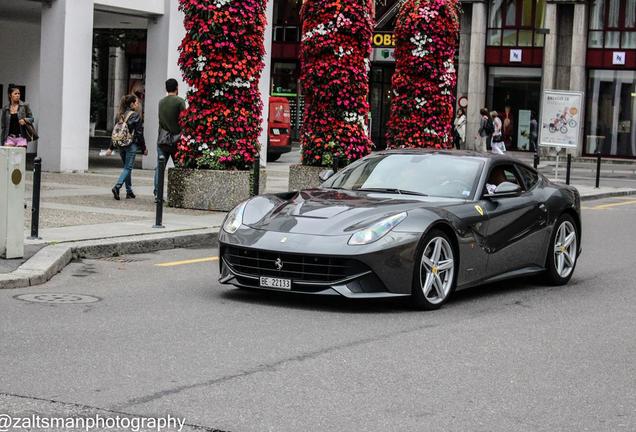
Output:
x=490 y=127
x=122 y=136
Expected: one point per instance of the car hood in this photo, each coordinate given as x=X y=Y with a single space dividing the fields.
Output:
x=330 y=211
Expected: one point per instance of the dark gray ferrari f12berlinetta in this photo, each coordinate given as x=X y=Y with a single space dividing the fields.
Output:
x=411 y=223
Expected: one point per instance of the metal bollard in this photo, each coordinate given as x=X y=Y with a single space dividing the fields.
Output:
x=159 y=208
x=256 y=177
x=334 y=165
x=536 y=159
x=35 y=202
x=568 y=169
x=598 y=169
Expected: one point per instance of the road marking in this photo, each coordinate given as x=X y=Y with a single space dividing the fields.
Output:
x=610 y=205
x=192 y=261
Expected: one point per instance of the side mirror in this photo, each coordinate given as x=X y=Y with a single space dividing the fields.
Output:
x=506 y=189
x=326 y=175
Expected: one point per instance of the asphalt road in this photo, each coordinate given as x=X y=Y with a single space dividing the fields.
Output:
x=514 y=356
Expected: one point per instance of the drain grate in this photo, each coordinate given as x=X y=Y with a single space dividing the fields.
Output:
x=58 y=298
x=122 y=259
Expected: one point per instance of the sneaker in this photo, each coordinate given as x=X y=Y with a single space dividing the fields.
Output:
x=130 y=195
x=115 y=191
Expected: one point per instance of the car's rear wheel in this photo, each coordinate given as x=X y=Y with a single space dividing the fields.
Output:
x=273 y=157
x=434 y=277
x=563 y=251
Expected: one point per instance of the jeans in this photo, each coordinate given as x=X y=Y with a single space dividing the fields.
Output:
x=482 y=144
x=128 y=159
x=165 y=155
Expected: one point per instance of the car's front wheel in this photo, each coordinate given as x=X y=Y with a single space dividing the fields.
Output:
x=434 y=277
x=563 y=251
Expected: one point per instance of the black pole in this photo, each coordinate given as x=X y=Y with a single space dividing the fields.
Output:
x=536 y=159
x=159 y=210
x=35 y=202
x=256 y=178
x=334 y=166
x=569 y=167
x=598 y=169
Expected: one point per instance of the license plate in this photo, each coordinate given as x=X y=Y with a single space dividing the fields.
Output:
x=269 y=282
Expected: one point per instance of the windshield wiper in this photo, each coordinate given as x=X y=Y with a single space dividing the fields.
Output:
x=391 y=190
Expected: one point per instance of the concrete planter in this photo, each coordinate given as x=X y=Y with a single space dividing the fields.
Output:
x=304 y=177
x=210 y=189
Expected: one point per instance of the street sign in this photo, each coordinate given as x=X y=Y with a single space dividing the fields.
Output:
x=561 y=119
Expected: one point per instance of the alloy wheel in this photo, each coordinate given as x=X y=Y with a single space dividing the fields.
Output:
x=565 y=249
x=437 y=269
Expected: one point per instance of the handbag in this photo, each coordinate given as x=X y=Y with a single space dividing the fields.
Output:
x=31 y=133
x=167 y=141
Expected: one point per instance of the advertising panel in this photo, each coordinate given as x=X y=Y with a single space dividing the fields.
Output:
x=561 y=118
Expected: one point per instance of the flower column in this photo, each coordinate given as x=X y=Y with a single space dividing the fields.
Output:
x=426 y=34
x=221 y=59
x=335 y=50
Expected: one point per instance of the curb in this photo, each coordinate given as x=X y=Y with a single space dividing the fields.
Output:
x=52 y=259
x=607 y=195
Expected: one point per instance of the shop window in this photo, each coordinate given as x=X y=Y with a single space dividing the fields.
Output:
x=611 y=113
x=514 y=23
x=284 y=78
x=286 y=20
x=612 y=24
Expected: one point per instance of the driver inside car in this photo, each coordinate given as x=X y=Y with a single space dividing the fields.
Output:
x=497 y=176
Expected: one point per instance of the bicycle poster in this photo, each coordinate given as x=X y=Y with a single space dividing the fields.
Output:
x=561 y=118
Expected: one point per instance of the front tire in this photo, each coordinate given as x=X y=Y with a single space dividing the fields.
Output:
x=562 y=251
x=435 y=272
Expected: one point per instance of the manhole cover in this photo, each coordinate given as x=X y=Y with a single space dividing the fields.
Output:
x=58 y=298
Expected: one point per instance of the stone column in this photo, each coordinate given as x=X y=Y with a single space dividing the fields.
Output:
x=464 y=52
x=550 y=48
x=65 y=84
x=165 y=34
x=264 y=84
x=117 y=80
x=577 y=62
x=476 y=72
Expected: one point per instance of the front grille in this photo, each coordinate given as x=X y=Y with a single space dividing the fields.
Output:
x=298 y=267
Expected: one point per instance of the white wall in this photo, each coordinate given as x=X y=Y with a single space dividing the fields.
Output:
x=152 y=7
x=20 y=61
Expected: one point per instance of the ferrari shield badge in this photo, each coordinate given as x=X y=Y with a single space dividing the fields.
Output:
x=479 y=210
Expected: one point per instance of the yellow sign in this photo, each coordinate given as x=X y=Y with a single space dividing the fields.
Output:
x=479 y=210
x=383 y=40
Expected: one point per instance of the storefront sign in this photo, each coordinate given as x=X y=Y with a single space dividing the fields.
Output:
x=618 y=58
x=561 y=118
x=383 y=55
x=523 y=136
x=516 y=55
x=383 y=40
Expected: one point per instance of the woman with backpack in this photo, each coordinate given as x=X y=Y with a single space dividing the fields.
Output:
x=127 y=137
x=486 y=128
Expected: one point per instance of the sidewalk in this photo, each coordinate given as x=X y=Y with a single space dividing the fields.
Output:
x=79 y=218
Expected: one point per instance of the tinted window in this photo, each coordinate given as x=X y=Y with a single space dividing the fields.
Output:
x=530 y=178
x=431 y=174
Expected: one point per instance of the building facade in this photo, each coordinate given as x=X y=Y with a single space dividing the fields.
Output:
x=509 y=52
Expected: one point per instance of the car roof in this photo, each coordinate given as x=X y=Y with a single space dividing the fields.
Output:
x=461 y=153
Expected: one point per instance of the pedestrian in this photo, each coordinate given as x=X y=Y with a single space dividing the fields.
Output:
x=127 y=137
x=534 y=131
x=497 y=142
x=486 y=128
x=170 y=109
x=16 y=120
x=460 y=128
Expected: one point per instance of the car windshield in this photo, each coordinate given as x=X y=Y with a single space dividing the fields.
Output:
x=433 y=174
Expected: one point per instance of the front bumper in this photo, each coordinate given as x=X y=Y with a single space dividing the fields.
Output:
x=381 y=269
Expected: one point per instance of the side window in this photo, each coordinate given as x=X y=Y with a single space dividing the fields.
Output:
x=530 y=177
x=500 y=174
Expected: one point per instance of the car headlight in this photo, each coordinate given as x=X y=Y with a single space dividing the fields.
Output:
x=377 y=230
x=234 y=219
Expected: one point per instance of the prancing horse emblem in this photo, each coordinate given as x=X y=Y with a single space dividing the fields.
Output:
x=279 y=264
